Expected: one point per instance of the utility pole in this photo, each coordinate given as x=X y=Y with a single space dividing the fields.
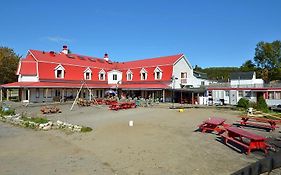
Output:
x=173 y=79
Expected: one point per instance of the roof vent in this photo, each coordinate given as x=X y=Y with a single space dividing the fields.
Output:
x=52 y=53
x=81 y=57
x=70 y=56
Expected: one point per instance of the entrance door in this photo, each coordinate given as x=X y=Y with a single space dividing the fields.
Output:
x=25 y=95
x=233 y=97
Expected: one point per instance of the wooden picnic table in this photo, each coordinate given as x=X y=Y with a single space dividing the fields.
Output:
x=248 y=140
x=213 y=124
x=268 y=124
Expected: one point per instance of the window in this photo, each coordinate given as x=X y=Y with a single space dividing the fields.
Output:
x=183 y=77
x=227 y=93
x=278 y=95
x=240 y=93
x=183 y=74
x=143 y=76
x=37 y=93
x=114 y=77
x=88 y=74
x=248 y=94
x=129 y=75
x=102 y=75
x=157 y=73
x=202 y=83
x=143 y=73
x=59 y=71
x=271 y=95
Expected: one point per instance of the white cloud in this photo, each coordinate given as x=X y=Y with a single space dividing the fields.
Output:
x=57 y=39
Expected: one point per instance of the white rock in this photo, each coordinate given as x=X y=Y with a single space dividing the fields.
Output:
x=47 y=127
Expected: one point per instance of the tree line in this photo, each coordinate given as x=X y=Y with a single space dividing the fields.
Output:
x=266 y=63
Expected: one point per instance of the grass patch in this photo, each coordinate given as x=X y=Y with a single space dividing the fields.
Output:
x=36 y=120
x=8 y=112
x=86 y=129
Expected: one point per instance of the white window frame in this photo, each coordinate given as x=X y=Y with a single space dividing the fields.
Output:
x=129 y=78
x=143 y=71
x=88 y=71
x=100 y=73
x=156 y=71
x=59 y=68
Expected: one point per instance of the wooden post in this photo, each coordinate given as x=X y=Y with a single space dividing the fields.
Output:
x=46 y=93
x=90 y=92
x=8 y=94
x=28 y=90
x=192 y=98
x=163 y=95
x=1 y=95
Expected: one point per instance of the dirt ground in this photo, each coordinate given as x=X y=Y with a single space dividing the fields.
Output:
x=161 y=142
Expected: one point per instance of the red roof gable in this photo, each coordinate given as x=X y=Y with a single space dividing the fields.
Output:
x=28 y=68
x=149 y=62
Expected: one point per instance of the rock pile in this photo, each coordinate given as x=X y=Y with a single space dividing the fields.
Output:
x=20 y=121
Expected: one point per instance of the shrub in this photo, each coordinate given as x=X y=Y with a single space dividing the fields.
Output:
x=36 y=120
x=243 y=103
x=261 y=105
x=8 y=112
x=86 y=129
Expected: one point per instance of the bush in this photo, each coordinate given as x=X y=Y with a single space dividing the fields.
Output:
x=261 y=105
x=86 y=129
x=243 y=103
x=8 y=112
x=36 y=120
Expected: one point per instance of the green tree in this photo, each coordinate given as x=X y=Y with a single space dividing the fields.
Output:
x=248 y=66
x=8 y=65
x=268 y=59
x=261 y=105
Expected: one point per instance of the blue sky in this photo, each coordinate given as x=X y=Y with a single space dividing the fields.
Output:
x=208 y=32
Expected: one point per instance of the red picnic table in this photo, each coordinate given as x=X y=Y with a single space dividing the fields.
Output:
x=268 y=124
x=248 y=140
x=122 y=105
x=213 y=124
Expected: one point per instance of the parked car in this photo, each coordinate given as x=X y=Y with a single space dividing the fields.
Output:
x=276 y=108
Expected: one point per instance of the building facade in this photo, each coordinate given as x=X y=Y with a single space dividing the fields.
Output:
x=244 y=85
x=48 y=76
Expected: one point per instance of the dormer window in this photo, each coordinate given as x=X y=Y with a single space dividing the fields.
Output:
x=88 y=74
x=129 y=75
x=143 y=74
x=59 y=71
x=157 y=73
x=102 y=75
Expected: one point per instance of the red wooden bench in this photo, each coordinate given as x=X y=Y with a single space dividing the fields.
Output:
x=239 y=136
x=263 y=123
x=213 y=124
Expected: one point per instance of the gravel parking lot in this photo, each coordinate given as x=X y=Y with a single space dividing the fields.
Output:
x=162 y=141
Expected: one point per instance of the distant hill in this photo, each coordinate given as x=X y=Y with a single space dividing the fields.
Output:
x=218 y=73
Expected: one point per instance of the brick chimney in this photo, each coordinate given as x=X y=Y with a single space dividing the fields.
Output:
x=106 y=57
x=64 y=49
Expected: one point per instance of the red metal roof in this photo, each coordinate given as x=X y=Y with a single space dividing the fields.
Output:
x=144 y=86
x=148 y=62
x=28 y=68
